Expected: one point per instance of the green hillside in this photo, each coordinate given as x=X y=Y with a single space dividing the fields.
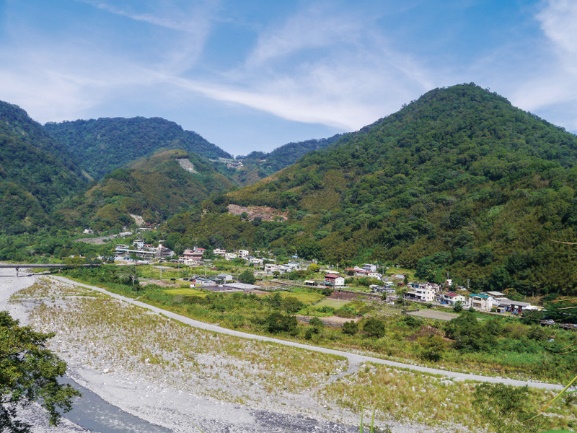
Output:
x=458 y=182
x=258 y=165
x=35 y=173
x=151 y=188
x=100 y=146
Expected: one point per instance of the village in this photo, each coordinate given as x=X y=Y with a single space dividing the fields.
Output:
x=392 y=288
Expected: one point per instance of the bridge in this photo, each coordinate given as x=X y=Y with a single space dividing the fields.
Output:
x=19 y=266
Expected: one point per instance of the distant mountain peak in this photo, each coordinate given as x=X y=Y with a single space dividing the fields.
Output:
x=101 y=145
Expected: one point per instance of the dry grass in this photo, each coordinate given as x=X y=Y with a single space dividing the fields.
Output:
x=109 y=334
x=96 y=331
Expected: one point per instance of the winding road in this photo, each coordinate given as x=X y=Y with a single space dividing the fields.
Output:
x=355 y=360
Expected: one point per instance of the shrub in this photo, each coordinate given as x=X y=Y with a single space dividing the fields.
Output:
x=316 y=322
x=350 y=328
x=411 y=321
x=277 y=322
x=531 y=317
x=469 y=334
x=432 y=348
x=346 y=312
x=374 y=327
x=291 y=304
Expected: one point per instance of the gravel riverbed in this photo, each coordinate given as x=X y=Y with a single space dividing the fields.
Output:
x=210 y=392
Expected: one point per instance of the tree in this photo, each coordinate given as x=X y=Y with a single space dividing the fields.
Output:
x=247 y=277
x=29 y=373
x=313 y=267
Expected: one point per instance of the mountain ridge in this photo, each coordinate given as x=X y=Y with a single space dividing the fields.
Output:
x=459 y=181
x=36 y=173
x=102 y=145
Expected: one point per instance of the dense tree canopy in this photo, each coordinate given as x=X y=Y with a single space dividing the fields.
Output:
x=36 y=173
x=153 y=188
x=101 y=145
x=458 y=182
x=258 y=165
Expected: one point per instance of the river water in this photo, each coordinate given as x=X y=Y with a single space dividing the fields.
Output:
x=97 y=415
x=90 y=412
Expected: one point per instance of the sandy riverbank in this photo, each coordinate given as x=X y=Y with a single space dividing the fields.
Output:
x=177 y=399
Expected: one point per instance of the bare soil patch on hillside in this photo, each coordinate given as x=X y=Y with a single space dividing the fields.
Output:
x=265 y=213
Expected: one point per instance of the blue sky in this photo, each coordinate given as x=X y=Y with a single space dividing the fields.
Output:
x=256 y=74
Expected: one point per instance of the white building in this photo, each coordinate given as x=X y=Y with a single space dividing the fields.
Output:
x=335 y=280
x=451 y=298
x=421 y=294
x=482 y=301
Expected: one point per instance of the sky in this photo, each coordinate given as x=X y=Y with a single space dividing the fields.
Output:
x=256 y=74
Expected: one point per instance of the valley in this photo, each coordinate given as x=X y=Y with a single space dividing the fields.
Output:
x=420 y=270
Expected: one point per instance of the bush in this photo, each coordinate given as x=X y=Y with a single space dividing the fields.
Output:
x=469 y=334
x=531 y=317
x=292 y=305
x=350 y=328
x=374 y=327
x=432 y=348
x=411 y=321
x=316 y=322
x=310 y=332
x=346 y=312
x=326 y=309
x=506 y=408
x=277 y=322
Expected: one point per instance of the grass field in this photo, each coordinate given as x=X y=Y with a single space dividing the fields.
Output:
x=332 y=303
x=305 y=297
x=186 y=292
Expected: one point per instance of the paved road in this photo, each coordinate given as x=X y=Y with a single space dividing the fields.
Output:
x=354 y=359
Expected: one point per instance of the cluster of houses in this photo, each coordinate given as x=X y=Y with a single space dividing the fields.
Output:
x=142 y=251
x=417 y=292
x=221 y=282
x=195 y=255
x=485 y=301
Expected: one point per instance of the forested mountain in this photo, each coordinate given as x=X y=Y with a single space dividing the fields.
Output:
x=100 y=146
x=147 y=191
x=36 y=174
x=258 y=165
x=458 y=182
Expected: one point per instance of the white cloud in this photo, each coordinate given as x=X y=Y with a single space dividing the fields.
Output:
x=322 y=67
x=188 y=25
x=169 y=14
x=552 y=84
x=558 y=20
x=313 y=28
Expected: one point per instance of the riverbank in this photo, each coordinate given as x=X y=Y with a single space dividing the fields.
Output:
x=190 y=403
x=186 y=379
